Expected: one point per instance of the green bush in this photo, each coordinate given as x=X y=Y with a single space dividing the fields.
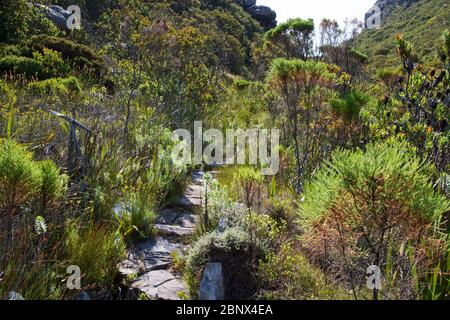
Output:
x=97 y=251
x=288 y=275
x=10 y=50
x=80 y=55
x=7 y=95
x=137 y=222
x=369 y=208
x=55 y=86
x=53 y=63
x=20 y=178
x=28 y=67
x=234 y=250
x=222 y=206
x=13 y=22
x=53 y=184
x=38 y=24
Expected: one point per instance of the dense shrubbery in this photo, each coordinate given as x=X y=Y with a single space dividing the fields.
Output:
x=99 y=123
x=77 y=55
x=97 y=251
x=28 y=67
x=289 y=275
x=234 y=250
x=375 y=207
x=55 y=86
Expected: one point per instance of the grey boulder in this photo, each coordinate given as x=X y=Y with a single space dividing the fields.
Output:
x=55 y=14
x=212 y=284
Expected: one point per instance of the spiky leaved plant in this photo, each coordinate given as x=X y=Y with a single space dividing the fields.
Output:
x=20 y=178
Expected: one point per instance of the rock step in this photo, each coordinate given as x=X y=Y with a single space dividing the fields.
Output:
x=154 y=254
x=193 y=196
x=174 y=231
x=151 y=260
x=175 y=223
x=160 y=285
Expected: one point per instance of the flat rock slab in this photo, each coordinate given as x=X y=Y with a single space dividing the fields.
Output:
x=187 y=220
x=193 y=196
x=160 y=284
x=177 y=217
x=168 y=216
x=174 y=231
x=152 y=255
x=197 y=177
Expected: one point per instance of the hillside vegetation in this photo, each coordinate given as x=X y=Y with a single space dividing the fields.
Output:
x=420 y=21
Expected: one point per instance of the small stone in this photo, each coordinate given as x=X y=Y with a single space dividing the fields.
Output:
x=222 y=226
x=15 y=296
x=84 y=296
x=212 y=283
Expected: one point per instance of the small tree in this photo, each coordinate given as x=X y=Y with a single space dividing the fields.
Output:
x=292 y=39
x=20 y=179
x=53 y=185
x=302 y=87
x=249 y=181
x=374 y=207
x=337 y=46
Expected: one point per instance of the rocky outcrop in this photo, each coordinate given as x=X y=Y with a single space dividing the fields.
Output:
x=263 y=14
x=56 y=14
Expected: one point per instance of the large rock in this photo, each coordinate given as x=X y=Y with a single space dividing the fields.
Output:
x=193 y=196
x=248 y=3
x=55 y=14
x=212 y=284
x=160 y=284
x=148 y=256
x=264 y=15
x=176 y=223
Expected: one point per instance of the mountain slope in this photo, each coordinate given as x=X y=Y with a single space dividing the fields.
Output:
x=420 y=21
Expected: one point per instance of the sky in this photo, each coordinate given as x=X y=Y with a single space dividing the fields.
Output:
x=318 y=9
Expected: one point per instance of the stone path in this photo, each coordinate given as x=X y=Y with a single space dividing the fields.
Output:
x=152 y=260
